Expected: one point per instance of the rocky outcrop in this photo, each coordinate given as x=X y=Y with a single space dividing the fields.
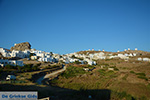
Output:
x=21 y=46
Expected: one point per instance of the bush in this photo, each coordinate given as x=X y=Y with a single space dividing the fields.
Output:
x=116 y=69
x=141 y=74
x=143 y=77
x=132 y=72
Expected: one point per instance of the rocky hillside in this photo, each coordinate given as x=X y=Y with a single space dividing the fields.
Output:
x=21 y=46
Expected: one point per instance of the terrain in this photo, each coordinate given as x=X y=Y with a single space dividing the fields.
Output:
x=110 y=79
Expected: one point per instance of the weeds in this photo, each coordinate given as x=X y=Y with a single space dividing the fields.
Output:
x=132 y=72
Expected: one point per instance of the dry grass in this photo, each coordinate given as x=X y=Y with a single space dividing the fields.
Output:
x=122 y=80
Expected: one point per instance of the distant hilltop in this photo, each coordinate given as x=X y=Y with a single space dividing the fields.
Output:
x=21 y=46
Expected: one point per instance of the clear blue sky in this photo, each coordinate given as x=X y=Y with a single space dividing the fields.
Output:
x=65 y=26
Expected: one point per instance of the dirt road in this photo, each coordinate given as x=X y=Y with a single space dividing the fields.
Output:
x=39 y=81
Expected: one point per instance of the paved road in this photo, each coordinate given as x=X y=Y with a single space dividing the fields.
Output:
x=39 y=81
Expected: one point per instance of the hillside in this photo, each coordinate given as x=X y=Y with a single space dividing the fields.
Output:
x=128 y=79
x=121 y=52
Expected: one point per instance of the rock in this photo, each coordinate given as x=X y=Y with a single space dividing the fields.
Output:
x=21 y=46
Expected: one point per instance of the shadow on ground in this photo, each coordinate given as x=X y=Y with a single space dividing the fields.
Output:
x=57 y=93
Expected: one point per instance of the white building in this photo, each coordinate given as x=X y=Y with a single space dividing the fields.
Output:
x=19 y=54
x=146 y=59
x=5 y=52
x=134 y=54
x=11 y=62
x=130 y=55
x=34 y=57
x=15 y=53
x=123 y=56
x=126 y=54
x=91 y=62
x=139 y=59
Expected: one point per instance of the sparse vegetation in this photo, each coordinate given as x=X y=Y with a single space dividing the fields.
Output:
x=72 y=71
x=143 y=77
x=132 y=72
x=140 y=75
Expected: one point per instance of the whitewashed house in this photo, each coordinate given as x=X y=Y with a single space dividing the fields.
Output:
x=91 y=55
x=139 y=59
x=11 y=62
x=134 y=54
x=130 y=55
x=34 y=57
x=14 y=53
x=110 y=68
x=5 y=52
x=126 y=54
x=102 y=57
x=123 y=56
x=19 y=54
x=115 y=56
x=91 y=62
x=45 y=59
x=146 y=59
x=26 y=53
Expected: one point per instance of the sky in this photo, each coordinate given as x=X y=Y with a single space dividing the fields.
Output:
x=66 y=26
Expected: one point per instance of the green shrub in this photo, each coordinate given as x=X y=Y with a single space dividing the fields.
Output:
x=143 y=77
x=141 y=74
x=132 y=72
x=116 y=69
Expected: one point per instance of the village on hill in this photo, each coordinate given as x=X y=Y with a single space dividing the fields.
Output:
x=23 y=50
